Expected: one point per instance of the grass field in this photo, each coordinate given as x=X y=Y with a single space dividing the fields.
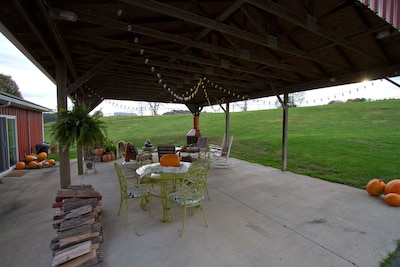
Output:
x=345 y=143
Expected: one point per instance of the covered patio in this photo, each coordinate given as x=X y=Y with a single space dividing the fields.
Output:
x=202 y=53
x=257 y=216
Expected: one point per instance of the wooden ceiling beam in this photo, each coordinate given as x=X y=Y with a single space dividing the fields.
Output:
x=304 y=23
x=26 y=13
x=270 y=41
x=81 y=80
x=152 y=50
x=188 y=42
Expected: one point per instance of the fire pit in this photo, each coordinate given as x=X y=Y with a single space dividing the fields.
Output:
x=193 y=134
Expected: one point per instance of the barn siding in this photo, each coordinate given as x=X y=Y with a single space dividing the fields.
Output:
x=29 y=129
x=387 y=9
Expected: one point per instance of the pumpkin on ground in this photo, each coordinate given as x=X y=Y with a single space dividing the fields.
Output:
x=20 y=165
x=51 y=162
x=170 y=160
x=393 y=187
x=392 y=199
x=375 y=187
x=106 y=158
x=30 y=158
x=98 y=151
x=32 y=164
x=42 y=156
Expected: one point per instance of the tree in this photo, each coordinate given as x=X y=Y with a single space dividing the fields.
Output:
x=154 y=108
x=8 y=85
x=294 y=100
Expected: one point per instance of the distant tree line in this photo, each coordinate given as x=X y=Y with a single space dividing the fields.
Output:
x=349 y=101
x=175 y=112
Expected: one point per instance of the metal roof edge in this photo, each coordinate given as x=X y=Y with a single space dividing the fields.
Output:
x=19 y=102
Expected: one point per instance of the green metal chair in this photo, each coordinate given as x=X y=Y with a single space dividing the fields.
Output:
x=203 y=160
x=132 y=191
x=191 y=193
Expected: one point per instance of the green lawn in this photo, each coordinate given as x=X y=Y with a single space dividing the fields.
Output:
x=346 y=143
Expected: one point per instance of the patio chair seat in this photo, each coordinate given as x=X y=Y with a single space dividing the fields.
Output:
x=139 y=191
x=193 y=197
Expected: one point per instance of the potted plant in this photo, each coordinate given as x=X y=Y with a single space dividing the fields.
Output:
x=78 y=127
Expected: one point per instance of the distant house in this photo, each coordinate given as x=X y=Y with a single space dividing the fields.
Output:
x=21 y=128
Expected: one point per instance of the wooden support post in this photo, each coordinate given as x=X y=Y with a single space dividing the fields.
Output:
x=227 y=124
x=61 y=79
x=285 y=107
x=80 y=160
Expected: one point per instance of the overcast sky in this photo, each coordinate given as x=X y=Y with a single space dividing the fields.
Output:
x=37 y=88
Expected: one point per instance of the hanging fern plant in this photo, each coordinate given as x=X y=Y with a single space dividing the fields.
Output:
x=78 y=127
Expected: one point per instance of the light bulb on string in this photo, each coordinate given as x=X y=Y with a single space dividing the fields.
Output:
x=141 y=51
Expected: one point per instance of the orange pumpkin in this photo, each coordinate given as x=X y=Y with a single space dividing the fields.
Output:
x=20 y=165
x=106 y=158
x=98 y=152
x=30 y=158
x=32 y=164
x=170 y=160
x=392 y=199
x=375 y=187
x=393 y=187
x=42 y=156
x=51 y=162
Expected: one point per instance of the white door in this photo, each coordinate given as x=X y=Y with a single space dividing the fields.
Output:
x=8 y=143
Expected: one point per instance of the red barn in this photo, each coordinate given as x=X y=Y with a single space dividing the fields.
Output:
x=21 y=128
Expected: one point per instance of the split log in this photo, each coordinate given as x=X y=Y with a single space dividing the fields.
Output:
x=69 y=193
x=71 y=253
x=88 y=259
x=76 y=222
x=72 y=203
x=78 y=234
x=73 y=213
x=81 y=186
x=74 y=231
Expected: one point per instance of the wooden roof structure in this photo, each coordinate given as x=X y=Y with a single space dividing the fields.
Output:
x=202 y=52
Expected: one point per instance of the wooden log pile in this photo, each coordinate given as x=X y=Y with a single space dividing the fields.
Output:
x=78 y=227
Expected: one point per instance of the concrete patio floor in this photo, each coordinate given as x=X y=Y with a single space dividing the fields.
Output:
x=257 y=216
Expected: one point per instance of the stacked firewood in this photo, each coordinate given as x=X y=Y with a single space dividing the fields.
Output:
x=77 y=222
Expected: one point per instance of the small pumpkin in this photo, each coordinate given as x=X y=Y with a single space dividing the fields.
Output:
x=375 y=187
x=30 y=158
x=51 y=162
x=42 y=156
x=393 y=187
x=98 y=151
x=392 y=199
x=170 y=160
x=20 y=165
x=32 y=164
